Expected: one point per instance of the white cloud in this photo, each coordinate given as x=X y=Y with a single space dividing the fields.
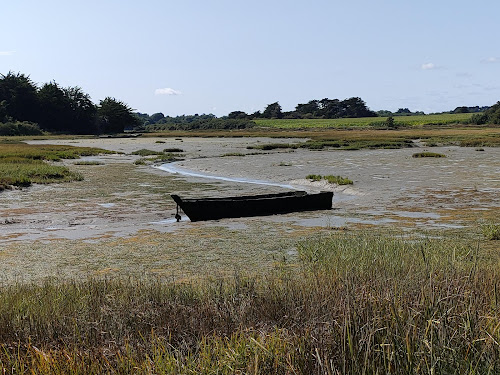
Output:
x=428 y=66
x=7 y=53
x=167 y=91
x=491 y=60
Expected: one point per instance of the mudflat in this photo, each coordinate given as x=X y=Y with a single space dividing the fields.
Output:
x=119 y=219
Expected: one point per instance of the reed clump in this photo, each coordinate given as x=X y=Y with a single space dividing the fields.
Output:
x=353 y=303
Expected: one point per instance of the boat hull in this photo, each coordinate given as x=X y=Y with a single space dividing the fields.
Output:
x=255 y=205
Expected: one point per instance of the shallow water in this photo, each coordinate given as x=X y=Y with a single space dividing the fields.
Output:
x=174 y=169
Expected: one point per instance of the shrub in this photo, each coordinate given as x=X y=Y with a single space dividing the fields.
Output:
x=19 y=128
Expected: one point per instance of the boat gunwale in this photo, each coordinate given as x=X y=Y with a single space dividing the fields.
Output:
x=293 y=194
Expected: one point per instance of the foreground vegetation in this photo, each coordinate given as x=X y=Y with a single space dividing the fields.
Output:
x=354 y=303
x=22 y=164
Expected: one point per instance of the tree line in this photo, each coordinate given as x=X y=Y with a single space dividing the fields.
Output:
x=26 y=107
x=324 y=108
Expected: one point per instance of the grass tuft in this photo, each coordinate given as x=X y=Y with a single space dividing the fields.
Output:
x=173 y=149
x=339 y=180
x=88 y=163
x=491 y=231
x=426 y=154
x=233 y=154
x=314 y=177
x=146 y=152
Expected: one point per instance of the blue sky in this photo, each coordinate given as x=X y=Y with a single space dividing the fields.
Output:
x=191 y=56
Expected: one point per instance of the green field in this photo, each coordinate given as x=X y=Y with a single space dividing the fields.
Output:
x=441 y=119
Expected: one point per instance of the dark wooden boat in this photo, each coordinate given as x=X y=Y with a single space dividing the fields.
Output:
x=252 y=205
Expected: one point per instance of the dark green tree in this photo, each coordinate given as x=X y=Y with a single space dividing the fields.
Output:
x=493 y=114
x=256 y=114
x=273 y=110
x=330 y=108
x=155 y=117
x=355 y=107
x=311 y=108
x=237 y=115
x=83 y=114
x=384 y=113
x=115 y=116
x=462 y=109
x=403 y=112
x=55 y=113
x=3 y=111
x=19 y=98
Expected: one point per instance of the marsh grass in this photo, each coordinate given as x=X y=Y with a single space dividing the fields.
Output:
x=88 y=163
x=274 y=146
x=22 y=164
x=233 y=154
x=427 y=154
x=491 y=231
x=47 y=152
x=314 y=177
x=173 y=149
x=480 y=142
x=339 y=180
x=354 y=303
x=431 y=135
x=156 y=156
x=146 y=152
x=341 y=144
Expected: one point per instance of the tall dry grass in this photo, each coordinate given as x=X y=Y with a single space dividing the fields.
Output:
x=354 y=303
